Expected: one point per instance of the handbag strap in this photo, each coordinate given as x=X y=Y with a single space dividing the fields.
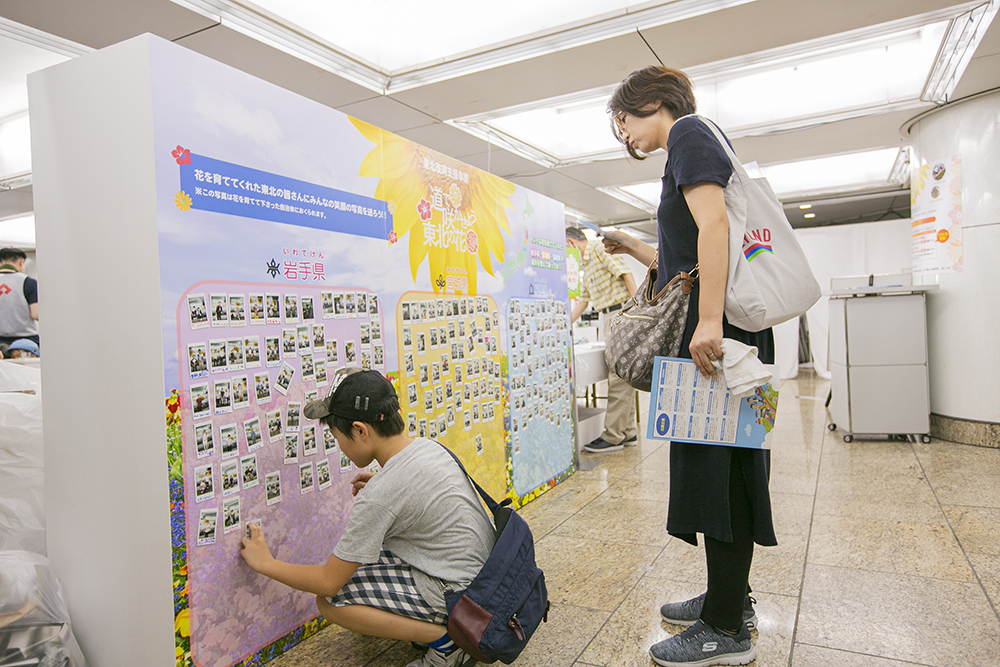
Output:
x=737 y=165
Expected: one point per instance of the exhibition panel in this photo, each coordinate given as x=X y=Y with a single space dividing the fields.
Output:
x=291 y=241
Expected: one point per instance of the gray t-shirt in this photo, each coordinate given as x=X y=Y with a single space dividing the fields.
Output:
x=423 y=508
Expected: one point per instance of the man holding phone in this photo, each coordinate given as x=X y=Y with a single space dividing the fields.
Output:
x=607 y=284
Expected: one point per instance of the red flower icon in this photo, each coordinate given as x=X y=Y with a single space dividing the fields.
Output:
x=182 y=155
x=392 y=237
x=472 y=241
x=424 y=209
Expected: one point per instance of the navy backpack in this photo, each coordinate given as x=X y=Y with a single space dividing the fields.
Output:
x=495 y=616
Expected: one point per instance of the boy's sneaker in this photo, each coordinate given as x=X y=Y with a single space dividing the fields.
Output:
x=702 y=645
x=435 y=658
x=602 y=445
x=689 y=611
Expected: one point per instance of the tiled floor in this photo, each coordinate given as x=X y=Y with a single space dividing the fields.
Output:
x=888 y=555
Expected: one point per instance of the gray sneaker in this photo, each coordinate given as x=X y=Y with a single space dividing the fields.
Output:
x=433 y=658
x=689 y=611
x=702 y=645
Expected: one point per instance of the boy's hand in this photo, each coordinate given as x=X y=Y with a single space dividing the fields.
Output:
x=359 y=481
x=255 y=550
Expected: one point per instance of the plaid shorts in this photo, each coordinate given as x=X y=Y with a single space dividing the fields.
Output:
x=388 y=585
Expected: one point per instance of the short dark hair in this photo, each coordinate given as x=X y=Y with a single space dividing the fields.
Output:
x=8 y=255
x=388 y=427
x=649 y=85
x=575 y=234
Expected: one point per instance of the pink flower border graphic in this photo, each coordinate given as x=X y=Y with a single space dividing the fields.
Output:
x=182 y=155
x=424 y=209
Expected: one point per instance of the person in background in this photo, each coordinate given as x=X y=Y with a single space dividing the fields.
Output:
x=721 y=492
x=607 y=284
x=18 y=298
x=21 y=349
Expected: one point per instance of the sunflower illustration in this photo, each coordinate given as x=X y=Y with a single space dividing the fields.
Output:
x=454 y=214
x=182 y=200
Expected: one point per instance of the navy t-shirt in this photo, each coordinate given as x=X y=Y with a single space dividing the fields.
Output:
x=694 y=155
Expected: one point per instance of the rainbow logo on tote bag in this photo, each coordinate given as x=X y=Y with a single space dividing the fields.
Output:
x=756 y=243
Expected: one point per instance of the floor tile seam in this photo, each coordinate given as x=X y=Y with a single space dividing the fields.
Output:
x=805 y=558
x=973 y=507
x=970 y=582
x=961 y=546
x=620 y=603
x=867 y=655
x=851 y=516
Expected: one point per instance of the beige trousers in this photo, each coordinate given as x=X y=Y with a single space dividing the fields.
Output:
x=619 y=421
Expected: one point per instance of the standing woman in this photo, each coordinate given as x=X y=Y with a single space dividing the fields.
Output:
x=720 y=492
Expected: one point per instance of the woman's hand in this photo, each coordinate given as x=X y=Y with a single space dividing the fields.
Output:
x=255 y=550
x=620 y=243
x=706 y=345
x=359 y=482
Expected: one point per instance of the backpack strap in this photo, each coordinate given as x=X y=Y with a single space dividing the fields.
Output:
x=490 y=503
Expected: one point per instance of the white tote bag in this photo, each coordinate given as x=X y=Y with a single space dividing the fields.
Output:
x=769 y=280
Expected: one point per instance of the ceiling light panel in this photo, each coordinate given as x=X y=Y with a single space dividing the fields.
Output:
x=835 y=173
x=830 y=80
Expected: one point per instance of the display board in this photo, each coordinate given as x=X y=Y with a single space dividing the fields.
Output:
x=294 y=241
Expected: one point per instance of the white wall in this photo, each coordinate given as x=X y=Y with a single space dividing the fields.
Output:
x=843 y=250
x=963 y=318
x=107 y=496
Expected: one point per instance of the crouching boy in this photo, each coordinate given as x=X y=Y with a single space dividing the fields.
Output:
x=416 y=530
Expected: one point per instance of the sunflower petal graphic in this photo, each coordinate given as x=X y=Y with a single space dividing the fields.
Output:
x=182 y=200
x=442 y=204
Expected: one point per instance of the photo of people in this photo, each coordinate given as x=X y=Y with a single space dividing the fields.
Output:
x=204 y=484
x=273 y=349
x=207 y=521
x=302 y=337
x=217 y=350
x=309 y=440
x=308 y=371
x=307 y=309
x=289 y=348
x=229 y=440
x=251 y=351
x=350 y=354
x=323 y=480
x=256 y=304
x=197 y=312
x=197 y=360
x=327 y=304
x=292 y=416
x=248 y=468
x=219 y=310
x=320 y=370
x=291 y=308
x=273 y=308
x=221 y=390
x=272 y=487
x=362 y=303
x=237 y=310
x=230 y=515
x=291 y=447
x=331 y=352
x=230 y=477
x=203 y=441
x=255 y=438
x=305 y=477
x=345 y=463
x=318 y=336
x=284 y=379
x=273 y=425
x=262 y=387
x=241 y=394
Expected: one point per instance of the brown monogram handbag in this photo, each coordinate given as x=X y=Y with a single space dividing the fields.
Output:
x=649 y=325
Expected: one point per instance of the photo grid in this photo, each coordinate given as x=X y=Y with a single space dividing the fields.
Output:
x=450 y=380
x=537 y=370
x=249 y=361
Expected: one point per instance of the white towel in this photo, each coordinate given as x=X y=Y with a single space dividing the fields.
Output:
x=741 y=368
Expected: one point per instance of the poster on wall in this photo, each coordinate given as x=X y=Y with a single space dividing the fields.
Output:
x=936 y=210
x=295 y=241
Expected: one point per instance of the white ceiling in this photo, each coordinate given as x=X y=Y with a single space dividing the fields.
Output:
x=419 y=111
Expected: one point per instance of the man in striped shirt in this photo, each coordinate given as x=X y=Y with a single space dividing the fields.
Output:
x=607 y=284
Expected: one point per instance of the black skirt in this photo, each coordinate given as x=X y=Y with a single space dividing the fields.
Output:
x=699 y=474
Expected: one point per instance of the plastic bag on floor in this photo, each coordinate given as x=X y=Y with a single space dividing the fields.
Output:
x=15 y=377
x=22 y=476
x=34 y=622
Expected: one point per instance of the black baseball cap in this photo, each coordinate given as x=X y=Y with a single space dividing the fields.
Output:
x=357 y=395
